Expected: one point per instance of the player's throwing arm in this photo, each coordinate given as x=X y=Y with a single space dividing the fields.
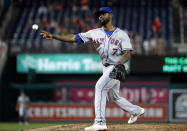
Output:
x=70 y=38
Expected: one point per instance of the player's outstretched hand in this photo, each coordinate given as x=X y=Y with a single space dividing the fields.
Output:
x=46 y=35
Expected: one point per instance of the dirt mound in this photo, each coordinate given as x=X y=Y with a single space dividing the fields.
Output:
x=118 y=127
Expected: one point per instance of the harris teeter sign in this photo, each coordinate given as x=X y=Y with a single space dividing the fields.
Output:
x=59 y=63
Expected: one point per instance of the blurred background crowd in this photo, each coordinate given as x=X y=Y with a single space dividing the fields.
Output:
x=151 y=24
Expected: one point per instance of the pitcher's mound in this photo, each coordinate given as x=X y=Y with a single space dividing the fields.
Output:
x=118 y=127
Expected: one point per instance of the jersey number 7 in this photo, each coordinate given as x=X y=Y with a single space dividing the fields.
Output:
x=114 y=51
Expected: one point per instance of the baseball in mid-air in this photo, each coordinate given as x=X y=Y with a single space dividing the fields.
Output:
x=35 y=27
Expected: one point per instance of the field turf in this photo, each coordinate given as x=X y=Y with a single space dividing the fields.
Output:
x=13 y=126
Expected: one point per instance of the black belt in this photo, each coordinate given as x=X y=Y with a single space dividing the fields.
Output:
x=106 y=64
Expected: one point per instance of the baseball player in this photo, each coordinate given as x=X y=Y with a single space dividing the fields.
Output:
x=22 y=107
x=114 y=48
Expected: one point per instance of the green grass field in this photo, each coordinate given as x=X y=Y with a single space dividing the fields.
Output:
x=18 y=127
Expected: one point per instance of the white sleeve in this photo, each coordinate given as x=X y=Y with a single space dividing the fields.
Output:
x=86 y=36
x=125 y=43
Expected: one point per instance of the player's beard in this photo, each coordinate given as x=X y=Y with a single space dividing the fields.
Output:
x=105 y=21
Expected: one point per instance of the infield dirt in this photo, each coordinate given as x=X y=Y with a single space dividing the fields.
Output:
x=118 y=127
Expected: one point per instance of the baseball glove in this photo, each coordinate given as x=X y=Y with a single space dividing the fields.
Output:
x=118 y=72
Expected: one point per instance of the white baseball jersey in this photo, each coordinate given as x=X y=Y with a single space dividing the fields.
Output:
x=111 y=47
x=22 y=101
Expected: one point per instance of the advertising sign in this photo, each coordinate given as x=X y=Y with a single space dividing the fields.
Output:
x=178 y=105
x=159 y=95
x=137 y=95
x=59 y=63
x=158 y=64
x=175 y=64
x=61 y=112
x=82 y=94
x=136 y=92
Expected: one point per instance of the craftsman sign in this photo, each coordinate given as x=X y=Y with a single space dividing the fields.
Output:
x=85 y=112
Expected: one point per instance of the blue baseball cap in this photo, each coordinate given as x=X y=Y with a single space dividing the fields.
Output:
x=104 y=9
